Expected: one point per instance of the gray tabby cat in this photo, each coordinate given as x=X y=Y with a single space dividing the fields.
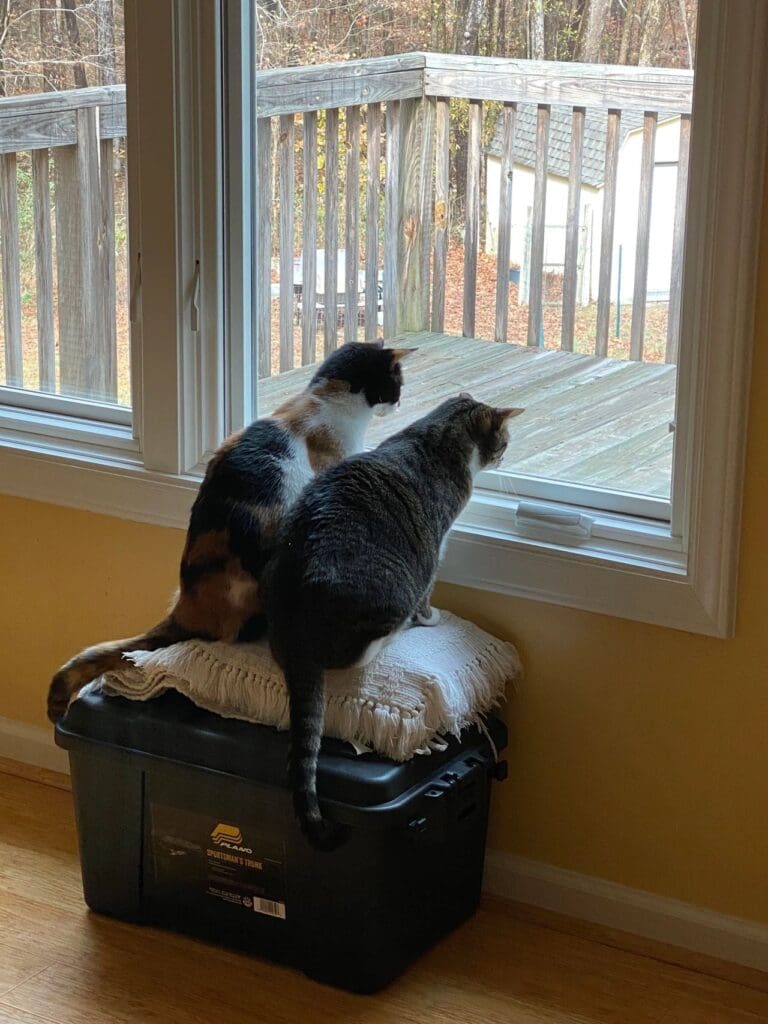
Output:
x=357 y=559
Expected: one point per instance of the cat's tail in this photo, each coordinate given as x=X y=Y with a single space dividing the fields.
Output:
x=307 y=705
x=93 y=661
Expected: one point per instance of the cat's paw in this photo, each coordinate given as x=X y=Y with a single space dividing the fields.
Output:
x=426 y=618
x=324 y=835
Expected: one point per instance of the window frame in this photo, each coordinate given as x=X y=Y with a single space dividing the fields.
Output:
x=192 y=372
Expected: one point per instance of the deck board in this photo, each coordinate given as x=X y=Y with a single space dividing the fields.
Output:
x=588 y=420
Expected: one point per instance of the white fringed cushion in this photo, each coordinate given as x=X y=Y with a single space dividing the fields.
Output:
x=428 y=682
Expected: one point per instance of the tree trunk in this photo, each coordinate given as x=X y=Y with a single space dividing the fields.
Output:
x=357 y=33
x=73 y=34
x=686 y=29
x=626 y=32
x=536 y=47
x=470 y=32
x=592 y=29
x=488 y=36
x=50 y=44
x=4 y=14
x=651 y=33
x=388 y=21
x=436 y=25
x=467 y=37
x=105 y=41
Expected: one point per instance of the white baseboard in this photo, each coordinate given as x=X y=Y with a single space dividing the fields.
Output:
x=31 y=744
x=629 y=910
x=541 y=885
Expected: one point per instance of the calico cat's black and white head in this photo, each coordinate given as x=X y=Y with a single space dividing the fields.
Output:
x=369 y=373
x=354 y=383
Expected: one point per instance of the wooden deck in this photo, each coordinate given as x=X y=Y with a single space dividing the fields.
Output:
x=593 y=421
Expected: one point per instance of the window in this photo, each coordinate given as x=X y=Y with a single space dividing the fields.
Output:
x=525 y=219
x=524 y=223
x=63 y=210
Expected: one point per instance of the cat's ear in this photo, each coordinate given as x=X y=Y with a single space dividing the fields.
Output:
x=378 y=343
x=507 y=414
x=466 y=394
x=401 y=353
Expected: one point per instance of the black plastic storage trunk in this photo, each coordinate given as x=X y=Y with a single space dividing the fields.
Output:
x=185 y=821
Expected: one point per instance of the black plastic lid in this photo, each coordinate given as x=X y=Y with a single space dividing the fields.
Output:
x=174 y=728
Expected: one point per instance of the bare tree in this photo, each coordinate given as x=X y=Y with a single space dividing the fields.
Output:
x=5 y=18
x=593 y=21
x=50 y=43
x=630 y=18
x=470 y=30
x=536 y=48
x=436 y=26
x=686 y=29
x=73 y=33
x=469 y=17
x=650 y=32
x=388 y=20
x=105 y=41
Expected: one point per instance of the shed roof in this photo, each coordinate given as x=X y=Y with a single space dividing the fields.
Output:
x=595 y=123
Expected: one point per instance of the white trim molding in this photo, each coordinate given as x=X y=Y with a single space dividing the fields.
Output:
x=629 y=910
x=724 y=216
x=573 y=895
x=31 y=744
x=115 y=487
x=636 y=579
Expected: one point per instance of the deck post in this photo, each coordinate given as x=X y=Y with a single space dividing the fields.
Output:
x=415 y=185
x=84 y=365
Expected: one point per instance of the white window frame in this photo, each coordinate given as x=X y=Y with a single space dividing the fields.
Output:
x=690 y=582
x=194 y=379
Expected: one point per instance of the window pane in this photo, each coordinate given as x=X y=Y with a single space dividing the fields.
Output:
x=63 y=200
x=530 y=229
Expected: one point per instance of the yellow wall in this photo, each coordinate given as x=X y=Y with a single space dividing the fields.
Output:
x=638 y=754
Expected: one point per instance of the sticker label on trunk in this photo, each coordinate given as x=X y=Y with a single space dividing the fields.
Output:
x=227 y=861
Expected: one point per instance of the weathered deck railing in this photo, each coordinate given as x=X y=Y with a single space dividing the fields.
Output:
x=75 y=131
x=406 y=99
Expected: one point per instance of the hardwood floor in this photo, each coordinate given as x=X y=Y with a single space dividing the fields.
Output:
x=63 y=965
x=600 y=422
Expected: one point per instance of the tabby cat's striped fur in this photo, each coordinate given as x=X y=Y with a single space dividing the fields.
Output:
x=357 y=559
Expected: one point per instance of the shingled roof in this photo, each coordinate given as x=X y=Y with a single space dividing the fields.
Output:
x=593 y=164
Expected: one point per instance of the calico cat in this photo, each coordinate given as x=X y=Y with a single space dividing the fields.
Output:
x=250 y=483
x=357 y=559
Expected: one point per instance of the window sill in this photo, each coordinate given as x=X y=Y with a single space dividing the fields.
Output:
x=624 y=580
x=632 y=570
x=111 y=481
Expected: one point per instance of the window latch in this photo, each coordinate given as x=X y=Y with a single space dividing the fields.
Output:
x=542 y=519
x=133 y=302
x=194 y=314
